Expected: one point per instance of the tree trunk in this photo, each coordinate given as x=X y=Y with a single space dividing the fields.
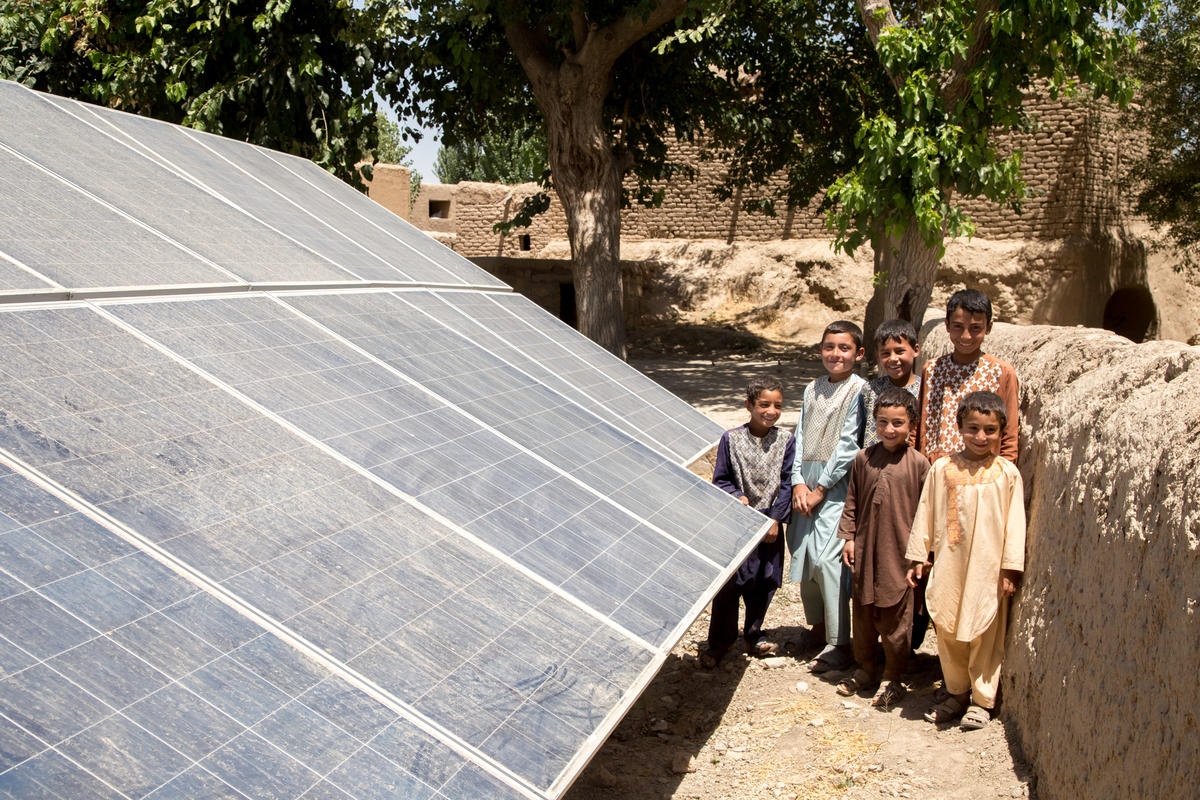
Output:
x=587 y=178
x=908 y=267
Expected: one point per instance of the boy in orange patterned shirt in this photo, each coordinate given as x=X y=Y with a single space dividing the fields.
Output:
x=948 y=379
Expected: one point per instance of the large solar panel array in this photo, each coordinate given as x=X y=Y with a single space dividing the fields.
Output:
x=296 y=502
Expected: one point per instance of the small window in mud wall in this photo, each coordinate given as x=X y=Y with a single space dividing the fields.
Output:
x=526 y=242
x=566 y=304
x=439 y=209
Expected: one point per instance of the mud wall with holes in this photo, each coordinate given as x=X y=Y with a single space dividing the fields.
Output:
x=1099 y=679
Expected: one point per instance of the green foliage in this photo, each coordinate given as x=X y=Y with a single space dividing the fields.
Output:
x=518 y=156
x=961 y=70
x=802 y=73
x=389 y=147
x=457 y=71
x=290 y=74
x=1168 y=65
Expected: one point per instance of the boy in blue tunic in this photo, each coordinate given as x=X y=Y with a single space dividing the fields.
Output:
x=754 y=464
x=829 y=435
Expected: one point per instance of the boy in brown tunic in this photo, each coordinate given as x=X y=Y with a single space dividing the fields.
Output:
x=885 y=487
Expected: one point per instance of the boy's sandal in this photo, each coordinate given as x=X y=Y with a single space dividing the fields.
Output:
x=948 y=710
x=976 y=717
x=762 y=649
x=711 y=657
x=831 y=659
x=856 y=683
x=890 y=695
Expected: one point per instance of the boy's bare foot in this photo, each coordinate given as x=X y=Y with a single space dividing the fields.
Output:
x=860 y=681
x=762 y=649
x=711 y=657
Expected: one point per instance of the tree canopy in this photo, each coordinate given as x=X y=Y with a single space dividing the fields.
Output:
x=517 y=156
x=588 y=73
x=925 y=89
x=1168 y=65
x=296 y=75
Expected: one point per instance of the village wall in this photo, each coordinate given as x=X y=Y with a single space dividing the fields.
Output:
x=1099 y=679
x=1071 y=161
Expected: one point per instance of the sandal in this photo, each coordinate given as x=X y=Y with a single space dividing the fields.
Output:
x=832 y=659
x=711 y=657
x=948 y=710
x=762 y=649
x=976 y=717
x=890 y=695
x=858 y=682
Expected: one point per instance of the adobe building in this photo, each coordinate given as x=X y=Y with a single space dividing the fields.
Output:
x=1073 y=255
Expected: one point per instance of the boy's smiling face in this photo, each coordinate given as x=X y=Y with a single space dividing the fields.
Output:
x=839 y=354
x=966 y=330
x=980 y=432
x=896 y=360
x=893 y=426
x=765 y=411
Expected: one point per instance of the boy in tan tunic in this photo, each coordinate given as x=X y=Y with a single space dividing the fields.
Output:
x=885 y=486
x=971 y=523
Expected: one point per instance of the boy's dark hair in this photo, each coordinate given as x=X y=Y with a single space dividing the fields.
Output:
x=844 y=326
x=984 y=403
x=899 y=329
x=895 y=397
x=763 y=383
x=972 y=301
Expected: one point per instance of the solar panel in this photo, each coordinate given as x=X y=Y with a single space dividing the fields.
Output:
x=62 y=237
x=142 y=189
x=303 y=539
x=121 y=678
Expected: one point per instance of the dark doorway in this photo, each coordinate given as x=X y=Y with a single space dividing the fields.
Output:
x=1130 y=312
x=566 y=304
x=526 y=242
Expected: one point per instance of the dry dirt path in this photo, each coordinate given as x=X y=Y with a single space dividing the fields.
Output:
x=769 y=728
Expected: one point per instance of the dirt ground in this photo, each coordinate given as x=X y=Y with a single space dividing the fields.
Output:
x=769 y=728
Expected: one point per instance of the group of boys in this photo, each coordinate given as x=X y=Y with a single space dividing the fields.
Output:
x=901 y=503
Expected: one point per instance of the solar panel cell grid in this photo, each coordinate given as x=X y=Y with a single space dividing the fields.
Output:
x=376 y=215
x=71 y=149
x=418 y=443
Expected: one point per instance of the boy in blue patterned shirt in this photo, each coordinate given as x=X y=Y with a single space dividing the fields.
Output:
x=754 y=464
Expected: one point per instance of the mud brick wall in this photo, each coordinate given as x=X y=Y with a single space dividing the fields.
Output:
x=1071 y=162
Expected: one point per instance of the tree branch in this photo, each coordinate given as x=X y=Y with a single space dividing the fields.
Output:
x=606 y=45
x=579 y=24
x=529 y=46
x=878 y=16
x=953 y=86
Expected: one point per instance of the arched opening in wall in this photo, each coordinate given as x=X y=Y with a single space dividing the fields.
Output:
x=1131 y=313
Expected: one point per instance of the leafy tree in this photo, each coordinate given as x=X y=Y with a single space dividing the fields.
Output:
x=1168 y=65
x=517 y=156
x=607 y=99
x=933 y=85
x=960 y=70
x=290 y=74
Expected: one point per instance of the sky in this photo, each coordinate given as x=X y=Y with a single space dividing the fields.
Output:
x=424 y=152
